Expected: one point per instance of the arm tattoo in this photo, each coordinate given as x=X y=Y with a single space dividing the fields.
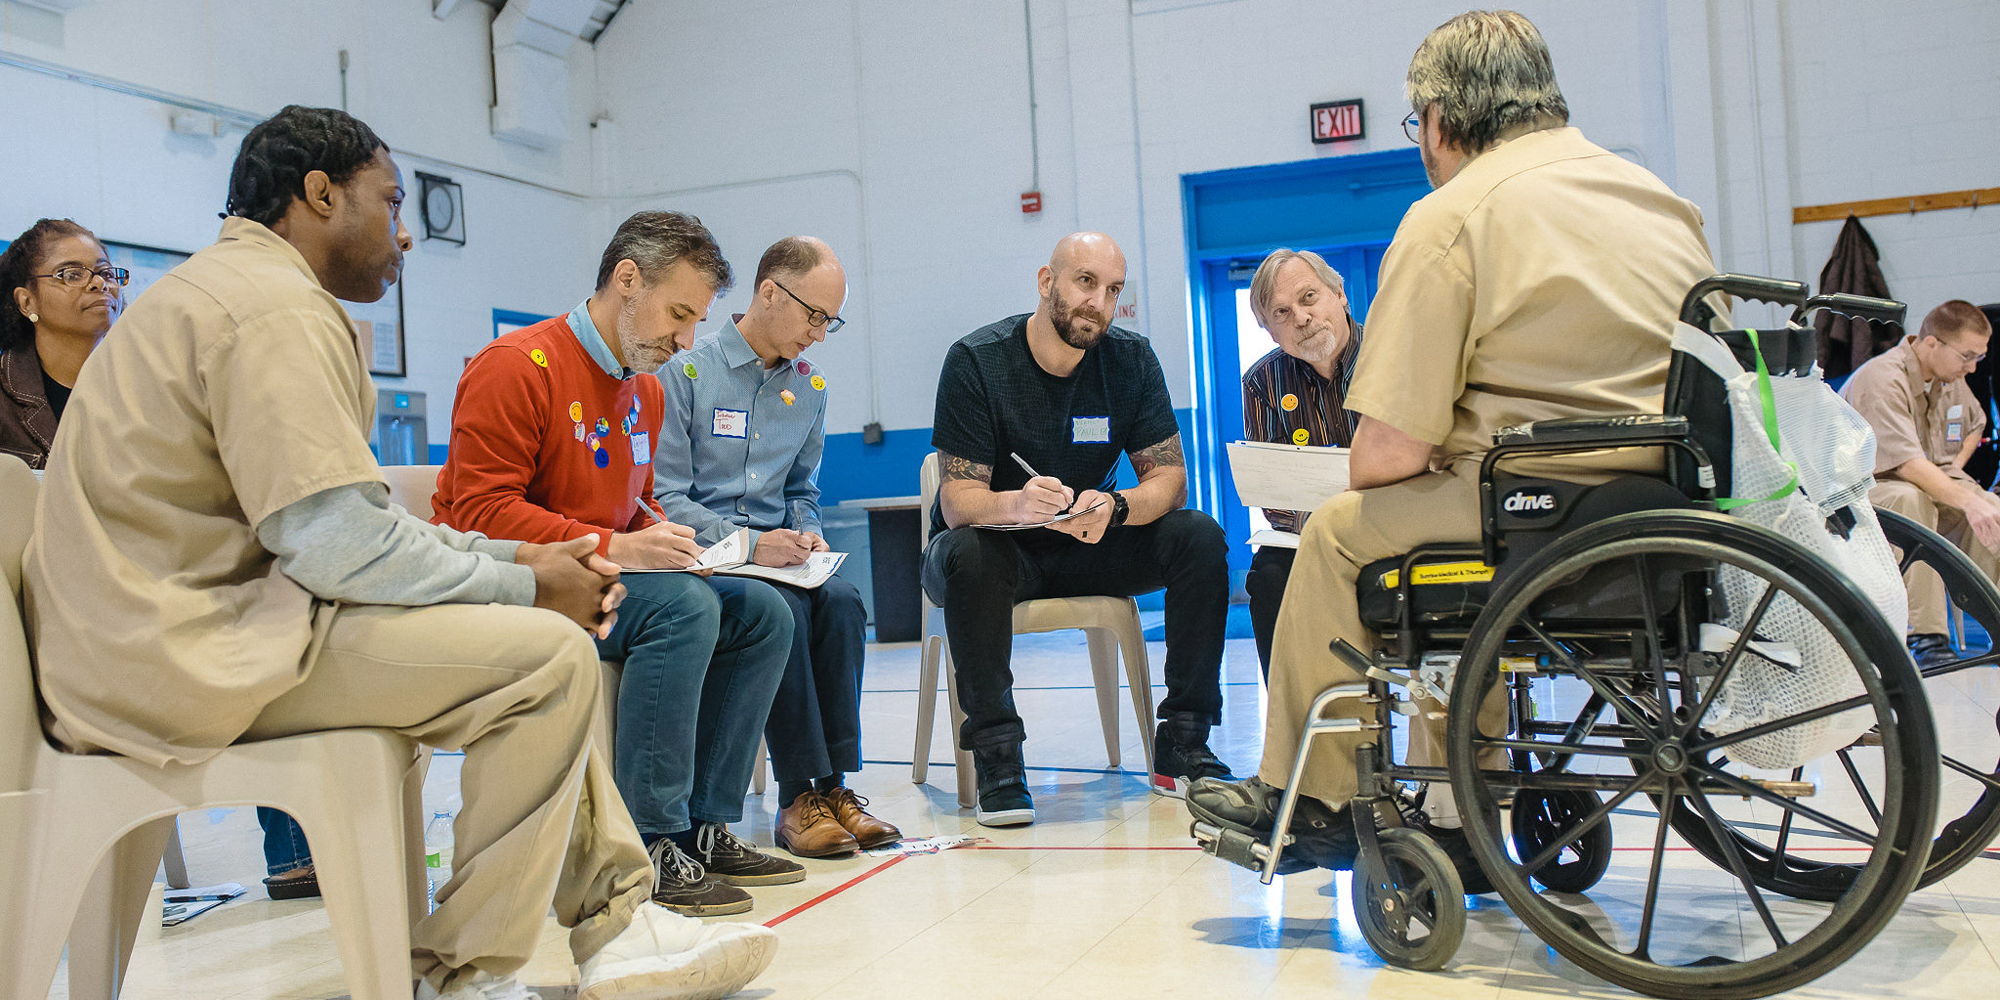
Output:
x=964 y=468
x=1166 y=453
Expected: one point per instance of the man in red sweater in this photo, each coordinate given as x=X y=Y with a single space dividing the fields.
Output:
x=551 y=439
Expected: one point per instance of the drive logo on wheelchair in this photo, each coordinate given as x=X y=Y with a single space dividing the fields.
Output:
x=1530 y=502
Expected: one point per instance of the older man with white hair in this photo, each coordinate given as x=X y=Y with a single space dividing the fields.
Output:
x=1295 y=395
x=1539 y=281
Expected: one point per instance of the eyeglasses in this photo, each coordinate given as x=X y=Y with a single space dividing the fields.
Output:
x=1413 y=127
x=814 y=315
x=77 y=276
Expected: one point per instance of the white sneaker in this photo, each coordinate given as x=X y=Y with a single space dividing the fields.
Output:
x=480 y=987
x=665 y=956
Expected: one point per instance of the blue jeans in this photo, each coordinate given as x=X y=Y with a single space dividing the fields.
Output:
x=815 y=725
x=703 y=658
x=284 y=841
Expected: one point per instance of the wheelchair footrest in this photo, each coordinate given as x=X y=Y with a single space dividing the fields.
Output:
x=1234 y=846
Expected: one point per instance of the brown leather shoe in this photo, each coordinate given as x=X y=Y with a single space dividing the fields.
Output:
x=868 y=830
x=808 y=829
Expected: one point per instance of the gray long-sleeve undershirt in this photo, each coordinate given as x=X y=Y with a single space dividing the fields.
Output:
x=349 y=543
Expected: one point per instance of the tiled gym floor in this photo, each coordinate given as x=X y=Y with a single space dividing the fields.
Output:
x=1104 y=896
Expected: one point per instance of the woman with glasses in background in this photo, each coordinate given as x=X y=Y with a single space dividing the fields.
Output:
x=60 y=295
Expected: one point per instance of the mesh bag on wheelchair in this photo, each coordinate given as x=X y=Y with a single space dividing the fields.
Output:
x=1801 y=463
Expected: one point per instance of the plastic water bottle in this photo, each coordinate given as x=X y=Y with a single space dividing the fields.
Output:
x=437 y=853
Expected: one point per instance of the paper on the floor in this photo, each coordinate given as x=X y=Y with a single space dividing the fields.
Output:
x=927 y=845
x=183 y=905
x=1286 y=477
x=1275 y=539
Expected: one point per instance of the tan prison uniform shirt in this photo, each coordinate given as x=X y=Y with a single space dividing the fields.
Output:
x=1913 y=418
x=1502 y=301
x=230 y=389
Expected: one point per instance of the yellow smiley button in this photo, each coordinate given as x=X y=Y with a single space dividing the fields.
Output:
x=538 y=357
x=1290 y=402
x=576 y=411
x=1302 y=436
x=819 y=382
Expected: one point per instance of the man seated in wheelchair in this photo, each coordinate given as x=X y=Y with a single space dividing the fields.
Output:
x=1539 y=280
x=1927 y=424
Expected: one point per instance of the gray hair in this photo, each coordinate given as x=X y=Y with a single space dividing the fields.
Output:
x=1265 y=283
x=1484 y=72
x=655 y=241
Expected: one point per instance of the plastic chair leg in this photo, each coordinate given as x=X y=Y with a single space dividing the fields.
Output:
x=760 y=777
x=1104 y=673
x=927 y=691
x=359 y=836
x=114 y=906
x=176 y=859
x=1139 y=678
x=968 y=783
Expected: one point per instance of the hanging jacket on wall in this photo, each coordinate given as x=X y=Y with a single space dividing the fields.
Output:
x=1855 y=268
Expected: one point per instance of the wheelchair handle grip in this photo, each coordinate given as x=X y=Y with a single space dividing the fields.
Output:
x=1855 y=307
x=1744 y=286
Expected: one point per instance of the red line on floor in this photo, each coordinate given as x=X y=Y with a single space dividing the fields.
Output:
x=1031 y=847
x=835 y=891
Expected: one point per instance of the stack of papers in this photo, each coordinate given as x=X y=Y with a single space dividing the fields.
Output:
x=731 y=557
x=1285 y=476
x=1059 y=518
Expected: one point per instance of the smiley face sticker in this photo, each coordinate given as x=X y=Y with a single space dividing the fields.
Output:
x=538 y=357
x=688 y=370
x=1289 y=403
x=576 y=411
x=819 y=382
x=1302 y=436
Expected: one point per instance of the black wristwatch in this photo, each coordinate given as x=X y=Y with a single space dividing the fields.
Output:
x=1120 y=510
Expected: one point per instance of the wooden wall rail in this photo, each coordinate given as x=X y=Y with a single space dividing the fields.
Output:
x=1971 y=198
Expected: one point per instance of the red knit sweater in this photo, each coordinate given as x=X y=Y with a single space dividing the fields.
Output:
x=543 y=442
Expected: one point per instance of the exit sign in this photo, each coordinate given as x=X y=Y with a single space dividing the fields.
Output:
x=1336 y=121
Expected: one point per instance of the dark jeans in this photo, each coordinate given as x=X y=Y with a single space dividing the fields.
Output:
x=702 y=660
x=977 y=576
x=815 y=724
x=1269 y=569
x=284 y=841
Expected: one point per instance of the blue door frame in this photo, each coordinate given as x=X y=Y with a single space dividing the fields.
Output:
x=1346 y=208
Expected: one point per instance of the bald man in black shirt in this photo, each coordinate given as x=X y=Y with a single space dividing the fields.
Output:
x=1068 y=393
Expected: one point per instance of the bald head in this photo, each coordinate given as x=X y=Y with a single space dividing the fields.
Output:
x=1080 y=287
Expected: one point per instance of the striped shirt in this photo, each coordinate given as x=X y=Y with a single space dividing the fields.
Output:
x=1286 y=401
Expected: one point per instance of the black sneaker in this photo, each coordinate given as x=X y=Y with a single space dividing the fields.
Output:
x=1931 y=649
x=1322 y=837
x=681 y=885
x=1003 y=786
x=1181 y=757
x=732 y=860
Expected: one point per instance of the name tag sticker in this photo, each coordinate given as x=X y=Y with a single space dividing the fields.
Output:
x=731 y=423
x=1955 y=412
x=1090 y=430
x=642 y=448
x=1954 y=431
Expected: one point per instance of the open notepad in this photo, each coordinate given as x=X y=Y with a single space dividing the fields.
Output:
x=1058 y=519
x=731 y=557
x=1285 y=477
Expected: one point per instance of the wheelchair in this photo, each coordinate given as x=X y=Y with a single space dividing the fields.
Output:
x=1596 y=610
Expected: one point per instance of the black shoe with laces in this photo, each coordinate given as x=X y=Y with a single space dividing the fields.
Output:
x=1932 y=649
x=1003 y=786
x=1181 y=757
x=683 y=886
x=733 y=860
x=1322 y=837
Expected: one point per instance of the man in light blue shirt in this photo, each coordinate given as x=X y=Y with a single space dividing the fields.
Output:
x=740 y=444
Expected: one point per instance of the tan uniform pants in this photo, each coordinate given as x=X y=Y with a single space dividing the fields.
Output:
x=515 y=689
x=1927 y=600
x=1348 y=532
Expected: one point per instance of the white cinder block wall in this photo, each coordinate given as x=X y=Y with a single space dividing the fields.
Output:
x=898 y=129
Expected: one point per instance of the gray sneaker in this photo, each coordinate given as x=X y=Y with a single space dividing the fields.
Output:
x=683 y=886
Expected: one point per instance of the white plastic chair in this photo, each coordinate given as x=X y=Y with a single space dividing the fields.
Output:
x=1110 y=626
x=412 y=486
x=66 y=816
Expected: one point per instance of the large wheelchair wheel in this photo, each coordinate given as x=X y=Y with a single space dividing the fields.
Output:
x=1644 y=732
x=1783 y=859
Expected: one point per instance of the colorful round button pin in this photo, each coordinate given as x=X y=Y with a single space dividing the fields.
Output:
x=576 y=411
x=1289 y=402
x=787 y=396
x=819 y=382
x=803 y=368
x=601 y=457
x=688 y=370
x=538 y=357
x=1302 y=436
x=603 y=426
